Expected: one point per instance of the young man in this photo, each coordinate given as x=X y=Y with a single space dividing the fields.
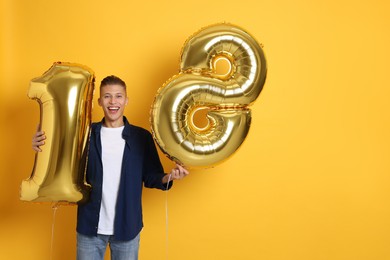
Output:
x=121 y=159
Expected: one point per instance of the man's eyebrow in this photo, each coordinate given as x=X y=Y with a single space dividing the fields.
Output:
x=117 y=93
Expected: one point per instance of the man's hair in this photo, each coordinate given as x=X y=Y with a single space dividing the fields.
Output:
x=112 y=80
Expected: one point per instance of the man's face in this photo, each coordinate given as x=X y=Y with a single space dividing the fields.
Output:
x=113 y=100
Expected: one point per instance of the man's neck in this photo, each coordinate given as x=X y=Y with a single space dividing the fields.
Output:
x=114 y=124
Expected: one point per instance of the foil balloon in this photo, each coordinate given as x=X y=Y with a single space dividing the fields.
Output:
x=64 y=94
x=200 y=86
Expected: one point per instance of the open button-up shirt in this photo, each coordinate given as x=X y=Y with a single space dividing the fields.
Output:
x=141 y=166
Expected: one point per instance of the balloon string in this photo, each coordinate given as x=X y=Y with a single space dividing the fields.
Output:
x=166 y=218
x=54 y=207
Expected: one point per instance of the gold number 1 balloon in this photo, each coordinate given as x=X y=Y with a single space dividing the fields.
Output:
x=225 y=96
x=64 y=94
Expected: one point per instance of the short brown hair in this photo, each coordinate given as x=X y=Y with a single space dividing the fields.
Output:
x=112 y=80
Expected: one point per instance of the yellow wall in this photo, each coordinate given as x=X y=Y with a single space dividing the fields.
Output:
x=311 y=180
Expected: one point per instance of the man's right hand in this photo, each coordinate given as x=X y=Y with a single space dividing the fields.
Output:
x=38 y=140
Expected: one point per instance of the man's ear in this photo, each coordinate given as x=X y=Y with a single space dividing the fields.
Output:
x=99 y=102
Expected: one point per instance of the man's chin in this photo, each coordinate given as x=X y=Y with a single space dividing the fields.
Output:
x=113 y=118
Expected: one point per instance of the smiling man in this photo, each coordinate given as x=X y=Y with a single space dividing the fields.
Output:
x=113 y=99
x=122 y=158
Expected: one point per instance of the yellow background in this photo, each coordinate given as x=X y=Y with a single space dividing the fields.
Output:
x=312 y=178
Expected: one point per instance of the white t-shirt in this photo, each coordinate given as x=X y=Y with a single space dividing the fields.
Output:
x=113 y=146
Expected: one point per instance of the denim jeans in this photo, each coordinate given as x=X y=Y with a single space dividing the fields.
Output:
x=93 y=248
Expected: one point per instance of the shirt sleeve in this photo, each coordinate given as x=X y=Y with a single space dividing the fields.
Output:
x=153 y=170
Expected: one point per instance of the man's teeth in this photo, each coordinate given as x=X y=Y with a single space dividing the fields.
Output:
x=113 y=108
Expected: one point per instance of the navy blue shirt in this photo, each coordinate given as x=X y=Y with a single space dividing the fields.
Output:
x=141 y=166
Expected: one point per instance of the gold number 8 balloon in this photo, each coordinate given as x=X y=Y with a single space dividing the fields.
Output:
x=64 y=94
x=225 y=96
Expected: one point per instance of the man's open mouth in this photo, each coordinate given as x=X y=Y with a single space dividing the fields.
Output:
x=113 y=108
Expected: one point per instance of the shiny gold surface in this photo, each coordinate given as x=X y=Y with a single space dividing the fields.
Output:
x=226 y=93
x=64 y=94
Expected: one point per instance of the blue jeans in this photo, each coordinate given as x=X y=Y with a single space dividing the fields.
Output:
x=93 y=248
